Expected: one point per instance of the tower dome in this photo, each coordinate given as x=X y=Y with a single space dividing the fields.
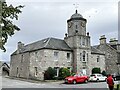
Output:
x=76 y=15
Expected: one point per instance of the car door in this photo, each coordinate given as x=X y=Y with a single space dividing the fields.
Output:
x=101 y=78
x=81 y=78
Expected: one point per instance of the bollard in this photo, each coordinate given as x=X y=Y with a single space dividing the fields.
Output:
x=117 y=86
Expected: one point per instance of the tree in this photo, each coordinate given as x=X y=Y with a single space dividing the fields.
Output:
x=49 y=73
x=7 y=28
x=96 y=70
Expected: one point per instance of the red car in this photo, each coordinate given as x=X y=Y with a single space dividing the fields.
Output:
x=76 y=79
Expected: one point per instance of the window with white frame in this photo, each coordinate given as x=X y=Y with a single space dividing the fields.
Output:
x=87 y=57
x=56 y=71
x=36 y=71
x=83 y=41
x=36 y=55
x=56 y=55
x=80 y=56
x=80 y=40
x=68 y=56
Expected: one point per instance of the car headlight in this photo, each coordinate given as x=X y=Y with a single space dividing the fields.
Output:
x=70 y=79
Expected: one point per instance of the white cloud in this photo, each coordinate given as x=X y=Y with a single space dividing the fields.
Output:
x=41 y=19
x=90 y=13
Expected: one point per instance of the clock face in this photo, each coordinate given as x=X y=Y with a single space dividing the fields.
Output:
x=83 y=24
x=69 y=24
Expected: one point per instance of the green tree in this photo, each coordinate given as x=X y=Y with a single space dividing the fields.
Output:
x=104 y=73
x=7 y=28
x=96 y=70
x=64 y=72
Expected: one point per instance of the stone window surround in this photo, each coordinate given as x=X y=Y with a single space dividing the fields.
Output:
x=36 y=71
x=80 y=56
x=68 y=56
x=84 y=56
x=98 y=58
x=22 y=57
x=56 y=55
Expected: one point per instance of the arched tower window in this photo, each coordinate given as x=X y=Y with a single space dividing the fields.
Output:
x=84 y=55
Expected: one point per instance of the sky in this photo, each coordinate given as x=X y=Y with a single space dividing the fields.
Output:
x=48 y=18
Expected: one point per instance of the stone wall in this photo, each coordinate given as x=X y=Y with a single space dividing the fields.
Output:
x=98 y=61
x=42 y=59
x=110 y=58
x=19 y=65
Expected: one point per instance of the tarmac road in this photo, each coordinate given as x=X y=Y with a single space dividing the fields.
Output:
x=13 y=83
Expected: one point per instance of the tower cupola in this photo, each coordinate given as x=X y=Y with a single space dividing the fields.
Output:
x=76 y=15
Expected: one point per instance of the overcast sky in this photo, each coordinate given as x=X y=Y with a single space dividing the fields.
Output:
x=45 y=18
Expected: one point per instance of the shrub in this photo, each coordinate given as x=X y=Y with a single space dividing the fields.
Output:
x=49 y=74
x=63 y=73
x=96 y=70
x=104 y=73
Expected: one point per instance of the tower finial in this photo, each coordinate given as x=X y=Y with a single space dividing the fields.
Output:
x=76 y=11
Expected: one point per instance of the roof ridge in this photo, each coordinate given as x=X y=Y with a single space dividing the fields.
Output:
x=47 y=42
x=111 y=47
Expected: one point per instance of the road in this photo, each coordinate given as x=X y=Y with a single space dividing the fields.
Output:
x=13 y=83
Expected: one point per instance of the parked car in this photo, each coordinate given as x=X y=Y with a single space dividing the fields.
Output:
x=97 y=77
x=76 y=79
x=116 y=77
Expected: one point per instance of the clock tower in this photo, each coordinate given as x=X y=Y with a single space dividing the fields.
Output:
x=77 y=38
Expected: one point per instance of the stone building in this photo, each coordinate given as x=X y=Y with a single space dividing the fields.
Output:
x=4 y=69
x=74 y=52
x=112 y=54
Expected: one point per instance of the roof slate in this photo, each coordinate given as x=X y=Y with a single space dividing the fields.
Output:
x=94 y=50
x=48 y=43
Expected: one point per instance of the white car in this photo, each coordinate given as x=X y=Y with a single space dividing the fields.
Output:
x=97 y=77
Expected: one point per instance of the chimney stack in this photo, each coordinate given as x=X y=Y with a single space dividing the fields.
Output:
x=102 y=39
x=20 y=46
x=113 y=41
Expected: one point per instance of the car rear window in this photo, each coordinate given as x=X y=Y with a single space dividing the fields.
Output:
x=99 y=75
x=92 y=75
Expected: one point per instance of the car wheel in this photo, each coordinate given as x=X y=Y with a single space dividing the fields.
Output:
x=74 y=82
x=97 y=80
x=86 y=81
